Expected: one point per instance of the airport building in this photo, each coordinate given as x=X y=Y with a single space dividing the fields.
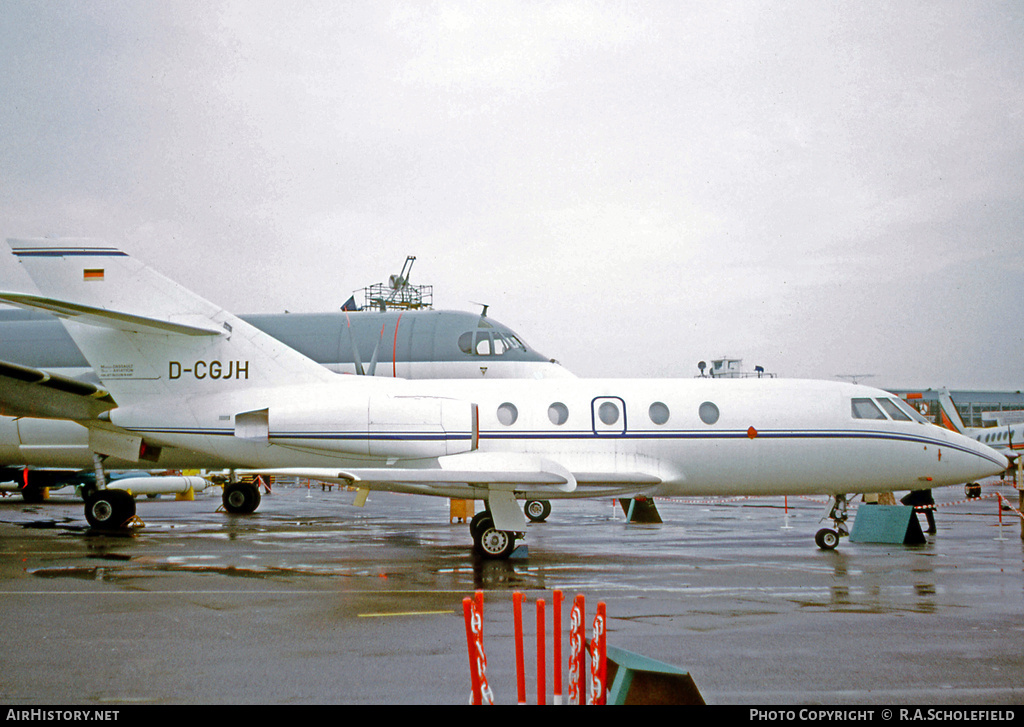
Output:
x=977 y=408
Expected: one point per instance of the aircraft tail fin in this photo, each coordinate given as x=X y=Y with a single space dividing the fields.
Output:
x=949 y=415
x=142 y=331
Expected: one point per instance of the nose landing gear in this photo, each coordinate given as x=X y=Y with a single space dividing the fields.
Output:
x=828 y=538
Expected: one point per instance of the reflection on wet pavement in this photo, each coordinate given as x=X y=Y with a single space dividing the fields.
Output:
x=310 y=586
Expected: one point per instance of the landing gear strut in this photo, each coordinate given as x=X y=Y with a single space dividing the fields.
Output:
x=827 y=538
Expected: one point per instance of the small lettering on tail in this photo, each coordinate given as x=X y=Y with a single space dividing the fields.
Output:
x=238 y=370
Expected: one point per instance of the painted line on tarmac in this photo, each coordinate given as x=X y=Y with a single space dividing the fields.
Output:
x=404 y=613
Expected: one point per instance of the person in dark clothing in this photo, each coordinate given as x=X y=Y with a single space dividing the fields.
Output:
x=922 y=501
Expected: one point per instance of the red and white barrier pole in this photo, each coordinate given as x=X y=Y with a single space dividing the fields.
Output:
x=579 y=651
x=577 y=677
x=999 y=505
x=517 y=617
x=477 y=658
x=598 y=658
x=556 y=656
x=542 y=686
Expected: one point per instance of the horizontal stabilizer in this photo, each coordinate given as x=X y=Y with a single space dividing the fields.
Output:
x=103 y=317
x=28 y=392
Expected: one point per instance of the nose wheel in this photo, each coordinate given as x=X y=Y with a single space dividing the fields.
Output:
x=828 y=538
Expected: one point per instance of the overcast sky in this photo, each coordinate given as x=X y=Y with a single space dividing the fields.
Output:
x=820 y=188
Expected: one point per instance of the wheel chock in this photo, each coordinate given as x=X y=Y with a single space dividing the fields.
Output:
x=640 y=510
x=896 y=524
x=636 y=679
x=521 y=552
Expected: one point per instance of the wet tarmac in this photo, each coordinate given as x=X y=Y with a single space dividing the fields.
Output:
x=313 y=601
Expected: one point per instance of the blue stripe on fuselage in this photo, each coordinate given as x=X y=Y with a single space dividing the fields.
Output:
x=586 y=435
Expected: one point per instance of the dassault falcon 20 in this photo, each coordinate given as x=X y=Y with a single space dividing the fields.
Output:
x=154 y=343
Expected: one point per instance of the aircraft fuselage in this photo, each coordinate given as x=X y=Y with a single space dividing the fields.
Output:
x=694 y=437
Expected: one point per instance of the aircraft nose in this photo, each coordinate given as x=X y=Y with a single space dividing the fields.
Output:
x=990 y=461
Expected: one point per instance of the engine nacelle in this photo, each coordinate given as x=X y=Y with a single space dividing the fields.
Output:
x=405 y=427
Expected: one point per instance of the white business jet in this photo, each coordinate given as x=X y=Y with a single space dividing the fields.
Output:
x=1007 y=439
x=180 y=373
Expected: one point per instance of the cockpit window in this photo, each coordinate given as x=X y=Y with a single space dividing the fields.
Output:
x=893 y=410
x=866 y=409
x=488 y=343
x=910 y=411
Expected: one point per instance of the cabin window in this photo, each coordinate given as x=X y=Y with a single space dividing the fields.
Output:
x=658 y=412
x=488 y=343
x=608 y=413
x=866 y=409
x=893 y=410
x=558 y=413
x=708 y=412
x=507 y=414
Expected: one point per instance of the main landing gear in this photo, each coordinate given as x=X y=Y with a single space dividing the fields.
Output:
x=107 y=509
x=489 y=542
x=242 y=497
x=827 y=538
x=537 y=511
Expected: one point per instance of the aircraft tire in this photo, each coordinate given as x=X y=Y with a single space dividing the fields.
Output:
x=826 y=539
x=474 y=524
x=537 y=510
x=241 y=498
x=109 y=509
x=491 y=543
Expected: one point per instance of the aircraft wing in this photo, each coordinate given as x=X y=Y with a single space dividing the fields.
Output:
x=487 y=470
x=639 y=479
x=29 y=392
x=498 y=470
